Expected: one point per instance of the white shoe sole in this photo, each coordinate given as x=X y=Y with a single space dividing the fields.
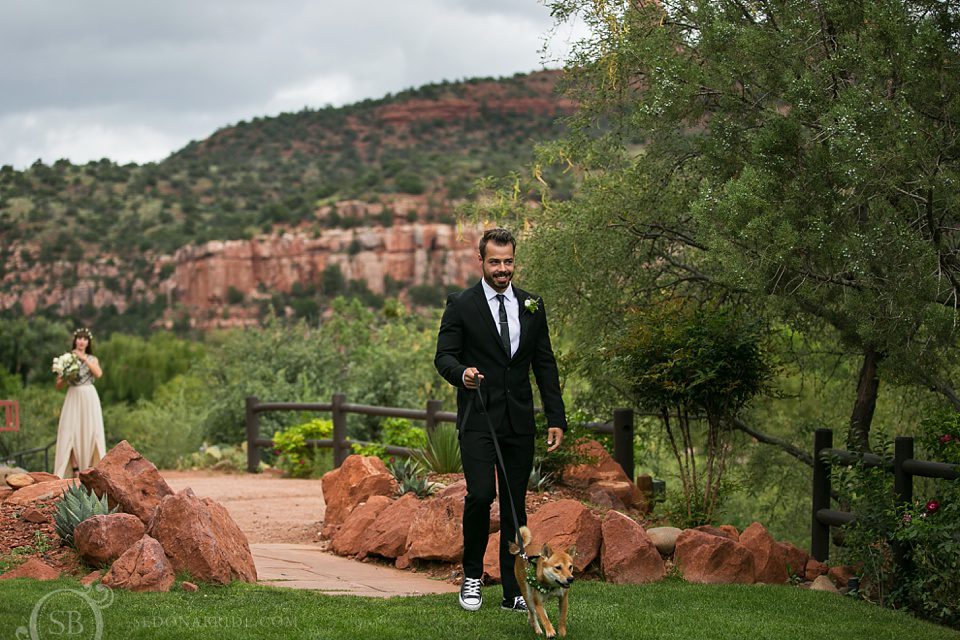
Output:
x=467 y=606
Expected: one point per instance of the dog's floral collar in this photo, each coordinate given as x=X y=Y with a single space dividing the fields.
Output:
x=531 y=578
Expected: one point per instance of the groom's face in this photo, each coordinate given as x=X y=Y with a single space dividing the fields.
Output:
x=498 y=265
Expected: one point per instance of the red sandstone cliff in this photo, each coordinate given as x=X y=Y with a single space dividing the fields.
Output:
x=200 y=277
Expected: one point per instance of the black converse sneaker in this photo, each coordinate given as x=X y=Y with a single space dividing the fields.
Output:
x=470 y=596
x=514 y=604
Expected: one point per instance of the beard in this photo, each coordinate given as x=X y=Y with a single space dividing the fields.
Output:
x=491 y=279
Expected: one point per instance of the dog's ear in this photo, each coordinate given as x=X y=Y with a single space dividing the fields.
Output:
x=572 y=551
x=545 y=552
x=514 y=549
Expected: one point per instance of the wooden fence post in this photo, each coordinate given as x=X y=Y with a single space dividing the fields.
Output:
x=433 y=408
x=339 y=430
x=820 y=532
x=903 y=490
x=623 y=439
x=253 y=434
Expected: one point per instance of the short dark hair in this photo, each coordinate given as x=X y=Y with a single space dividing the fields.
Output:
x=498 y=236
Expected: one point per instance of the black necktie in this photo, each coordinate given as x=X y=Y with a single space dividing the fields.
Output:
x=504 y=326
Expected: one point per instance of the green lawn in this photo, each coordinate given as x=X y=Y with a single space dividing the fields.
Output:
x=669 y=610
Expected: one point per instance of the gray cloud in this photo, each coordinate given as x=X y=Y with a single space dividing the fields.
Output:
x=136 y=81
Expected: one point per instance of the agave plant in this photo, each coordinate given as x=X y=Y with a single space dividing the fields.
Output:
x=442 y=453
x=76 y=505
x=411 y=476
x=540 y=480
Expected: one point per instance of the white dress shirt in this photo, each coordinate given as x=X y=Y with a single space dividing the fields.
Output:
x=512 y=306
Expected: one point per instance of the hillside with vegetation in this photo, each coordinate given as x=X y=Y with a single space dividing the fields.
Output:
x=100 y=237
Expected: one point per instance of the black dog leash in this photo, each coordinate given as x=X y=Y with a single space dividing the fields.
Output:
x=503 y=467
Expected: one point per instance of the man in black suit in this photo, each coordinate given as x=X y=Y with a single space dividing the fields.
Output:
x=491 y=336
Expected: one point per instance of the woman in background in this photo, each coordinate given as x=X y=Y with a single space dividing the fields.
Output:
x=80 y=439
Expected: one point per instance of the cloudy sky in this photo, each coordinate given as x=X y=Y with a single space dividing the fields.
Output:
x=135 y=81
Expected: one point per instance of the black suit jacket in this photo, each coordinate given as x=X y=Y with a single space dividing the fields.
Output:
x=469 y=337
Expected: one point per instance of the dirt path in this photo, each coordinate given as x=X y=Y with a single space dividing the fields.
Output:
x=266 y=508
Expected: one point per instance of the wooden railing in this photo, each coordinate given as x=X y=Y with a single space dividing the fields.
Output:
x=621 y=427
x=903 y=467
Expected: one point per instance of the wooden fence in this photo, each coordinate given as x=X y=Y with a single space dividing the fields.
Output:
x=621 y=427
x=903 y=466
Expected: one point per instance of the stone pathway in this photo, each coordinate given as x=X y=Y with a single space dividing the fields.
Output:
x=281 y=518
x=304 y=566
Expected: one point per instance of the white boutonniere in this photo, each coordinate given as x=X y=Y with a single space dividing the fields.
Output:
x=531 y=305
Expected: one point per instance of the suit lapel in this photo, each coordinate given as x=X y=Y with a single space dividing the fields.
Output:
x=483 y=308
x=526 y=318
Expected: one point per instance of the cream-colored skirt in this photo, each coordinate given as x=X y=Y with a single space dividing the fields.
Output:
x=80 y=432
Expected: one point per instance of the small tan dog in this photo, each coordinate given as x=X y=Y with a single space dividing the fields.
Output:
x=548 y=575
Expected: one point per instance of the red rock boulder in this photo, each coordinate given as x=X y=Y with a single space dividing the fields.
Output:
x=91 y=577
x=627 y=554
x=357 y=480
x=43 y=476
x=129 y=480
x=726 y=531
x=40 y=491
x=142 y=567
x=200 y=537
x=769 y=558
x=34 y=569
x=601 y=466
x=601 y=498
x=566 y=523
x=491 y=558
x=348 y=540
x=841 y=575
x=437 y=530
x=388 y=535
x=713 y=559
x=623 y=490
x=815 y=569
x=104 y=538
x=19 y=480
x=796 y=559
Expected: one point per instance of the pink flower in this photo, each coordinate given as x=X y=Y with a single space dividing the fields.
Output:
x=946 y=439
x=933 y=506
x=303 y=461
x=907 y=518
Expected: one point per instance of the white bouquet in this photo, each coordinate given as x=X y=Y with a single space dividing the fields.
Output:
x=67 y=366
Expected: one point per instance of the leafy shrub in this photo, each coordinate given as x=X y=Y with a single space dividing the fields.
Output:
x=295 y=457
x=372 y=449
x=403 y=433
x=930 y=531
x=926 y=531
x=231 y=458
x=684 y=361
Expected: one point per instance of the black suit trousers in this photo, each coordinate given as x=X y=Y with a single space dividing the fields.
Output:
x=479 y=469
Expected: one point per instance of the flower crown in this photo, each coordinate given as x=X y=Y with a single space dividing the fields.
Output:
x=83 y=332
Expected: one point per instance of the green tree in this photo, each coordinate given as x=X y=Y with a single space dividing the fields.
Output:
x=682 y=362
x=28 y=346
x=799 y=158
